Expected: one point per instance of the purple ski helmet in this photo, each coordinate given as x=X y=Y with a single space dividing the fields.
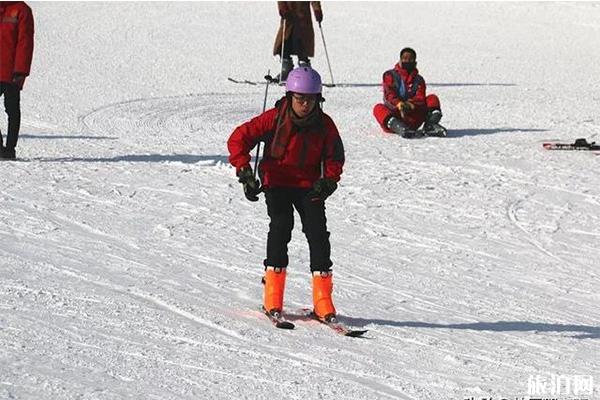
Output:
x=304 y=80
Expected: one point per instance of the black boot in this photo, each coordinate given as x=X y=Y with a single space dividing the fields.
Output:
x=287 y=65
x=397 y=126
x=432 y=126
x=7 y=153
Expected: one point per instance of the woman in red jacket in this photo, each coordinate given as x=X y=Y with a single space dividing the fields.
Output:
x=16 y=50
x=302 y=163
x=405 y=105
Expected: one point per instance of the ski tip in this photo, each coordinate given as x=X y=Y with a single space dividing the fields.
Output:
x=277 y=321
x=356 y=333
x=285 y=325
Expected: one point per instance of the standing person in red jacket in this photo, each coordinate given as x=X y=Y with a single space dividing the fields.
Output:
x=299 y=36
x=16 y=51
x=302 y=163
x=405 y=105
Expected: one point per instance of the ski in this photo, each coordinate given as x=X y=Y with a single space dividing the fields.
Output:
x=247 y=82
x=414 y=134
x=341 y=328
x=277 y=319
x=579 y=145
x=421 y=134
x=438 y=131
x=336 y=325
x=268 y=78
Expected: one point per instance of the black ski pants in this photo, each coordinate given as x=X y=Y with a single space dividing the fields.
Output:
x=293 y=46
x=12 y=106
x=280 y=207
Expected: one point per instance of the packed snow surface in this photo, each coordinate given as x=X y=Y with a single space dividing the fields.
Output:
x=130 y=261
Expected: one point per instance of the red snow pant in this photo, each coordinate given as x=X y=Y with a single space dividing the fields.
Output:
x=413 y=118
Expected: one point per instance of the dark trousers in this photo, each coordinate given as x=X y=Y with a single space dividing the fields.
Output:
x=280 y=207
x=293 y=45
x=12 y=106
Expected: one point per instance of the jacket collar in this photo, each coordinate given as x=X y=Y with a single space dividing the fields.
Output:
x=404 y=73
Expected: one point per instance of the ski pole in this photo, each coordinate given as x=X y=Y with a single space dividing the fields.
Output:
x=282 y=48
x=326 y=54
x=263 y=110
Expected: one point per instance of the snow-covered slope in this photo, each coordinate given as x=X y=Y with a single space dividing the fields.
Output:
x=130 y=262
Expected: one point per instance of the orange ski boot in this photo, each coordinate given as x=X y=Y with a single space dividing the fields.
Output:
x=322 y=290
x=274 y=281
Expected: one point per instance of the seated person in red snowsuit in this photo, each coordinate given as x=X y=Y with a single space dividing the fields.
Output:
x=302 y=163
x=405 y=105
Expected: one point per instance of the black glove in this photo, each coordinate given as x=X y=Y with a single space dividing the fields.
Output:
x=251 y=185
x=18 y=79
x=322 y=189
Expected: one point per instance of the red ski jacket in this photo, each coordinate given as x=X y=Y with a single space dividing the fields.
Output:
x=16 y=39
x=300 y=164
x=398 y=85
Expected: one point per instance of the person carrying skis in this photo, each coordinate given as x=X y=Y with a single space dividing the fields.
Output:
x=406 y=106
x=16 y=51
x=298 y=37
x=302 y=163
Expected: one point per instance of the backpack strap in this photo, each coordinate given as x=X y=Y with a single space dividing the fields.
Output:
x=400 y=86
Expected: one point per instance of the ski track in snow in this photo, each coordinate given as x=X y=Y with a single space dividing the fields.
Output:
x=131 y=262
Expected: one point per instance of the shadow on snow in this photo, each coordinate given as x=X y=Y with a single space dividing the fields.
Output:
x=78 y=137
x=453 y=133
x=457 y=84
x=156 y=158
x=584 y=331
